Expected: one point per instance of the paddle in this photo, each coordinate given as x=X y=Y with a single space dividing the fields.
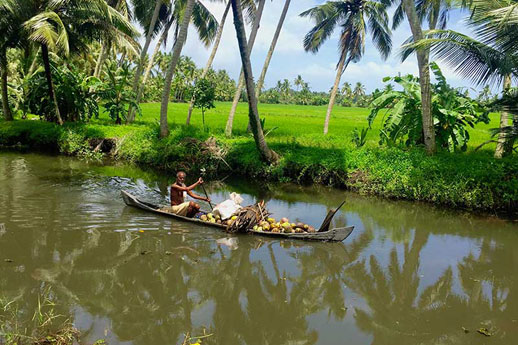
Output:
x=207 y=196
x=204 y=191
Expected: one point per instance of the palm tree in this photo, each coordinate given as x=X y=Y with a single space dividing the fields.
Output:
x=346 y=90
x=65 y=26
x=241 y=83
x=211 y=57
x=269 y=55
x=11 y=18
x=475 y=60
x=122 y=42
x=358 y=92
x=436 y=12
x=150 y=30
x=177 y=50
x=265 y=152
x=298 y=82
x=203 y=21
x=352 y=16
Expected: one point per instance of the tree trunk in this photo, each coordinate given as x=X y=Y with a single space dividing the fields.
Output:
x=265 y=152
x=237 y=95
x=339 y=72
x=102 y=57
x=177 y=50
x=48 y=74
x=424 y=76
x=138 y=73
x=501 y=145
x=211 y=57
x=260 y=82
x=8 y=115
x=157 y=49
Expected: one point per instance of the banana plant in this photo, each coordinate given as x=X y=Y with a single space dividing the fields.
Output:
x=452 y=113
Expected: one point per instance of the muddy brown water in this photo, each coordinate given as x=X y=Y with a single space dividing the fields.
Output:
x=409 y=273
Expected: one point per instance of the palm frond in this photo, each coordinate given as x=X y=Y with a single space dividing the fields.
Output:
x=205 y=23
x=471 y=59
x=47 y=28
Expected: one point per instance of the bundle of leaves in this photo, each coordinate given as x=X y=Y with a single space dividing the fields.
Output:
x=452 y=112
x=75 y=93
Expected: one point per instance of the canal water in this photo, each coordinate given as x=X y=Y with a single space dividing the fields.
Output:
x=409 y=274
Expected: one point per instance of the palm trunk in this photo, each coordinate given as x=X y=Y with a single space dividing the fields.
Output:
x=48 y=74
x=237 y=95
x=260 y=82
x=122 y=58
x=157 y=49
x=32 y=68
x=8 y=115
x=501 y=145
x=102 y=57
x=424 y=76
x=177 y=50
x=136 y=86
x=211 y=57
x=339 y=72
x=265 y=152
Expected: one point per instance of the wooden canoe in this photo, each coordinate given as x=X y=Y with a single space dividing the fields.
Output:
x=334 y=235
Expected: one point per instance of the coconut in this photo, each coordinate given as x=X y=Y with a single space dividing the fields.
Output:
x=204 y=217
x=285 y=220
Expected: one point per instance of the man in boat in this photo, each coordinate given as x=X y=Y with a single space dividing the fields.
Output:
x=178 y=193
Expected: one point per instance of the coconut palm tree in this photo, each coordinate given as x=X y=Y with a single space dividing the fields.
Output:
x=122 y=42
x=298 y=82
x=250 y=9
x=69 y=26
x=436 y=13
x=211 y=57
x=265 y=152
x=150 y=31
x=241 y=83
x=477 y=61
x=177 y=50
x=355 y=18
x=11 y=18
x=346 y=90
x=358 y=92
x=269 y=55
x=203 y=21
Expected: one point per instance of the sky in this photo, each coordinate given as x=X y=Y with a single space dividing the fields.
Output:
x=290 y=59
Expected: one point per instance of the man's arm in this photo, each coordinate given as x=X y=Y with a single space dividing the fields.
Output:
x=187 y=189
x=192 y=195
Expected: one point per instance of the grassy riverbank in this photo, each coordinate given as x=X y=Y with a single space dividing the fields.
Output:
x=469 y=180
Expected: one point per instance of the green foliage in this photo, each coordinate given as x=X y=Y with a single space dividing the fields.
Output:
x=452 y=112
x=472 y=179
x=74 y=92
x=204 y=94
x=359 y=137
x=117 y=92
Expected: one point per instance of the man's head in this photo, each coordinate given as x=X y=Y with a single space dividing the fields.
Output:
x=180 y=177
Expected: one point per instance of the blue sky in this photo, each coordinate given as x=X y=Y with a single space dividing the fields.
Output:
x=290 y=59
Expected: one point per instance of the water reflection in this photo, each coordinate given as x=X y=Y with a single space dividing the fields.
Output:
x=408 y=275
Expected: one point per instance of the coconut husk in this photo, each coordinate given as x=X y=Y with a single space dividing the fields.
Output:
x=247 y=217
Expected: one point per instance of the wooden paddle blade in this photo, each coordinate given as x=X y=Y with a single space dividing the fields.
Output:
x=327 y=220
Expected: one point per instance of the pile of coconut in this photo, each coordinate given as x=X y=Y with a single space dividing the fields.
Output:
x=282 y=226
